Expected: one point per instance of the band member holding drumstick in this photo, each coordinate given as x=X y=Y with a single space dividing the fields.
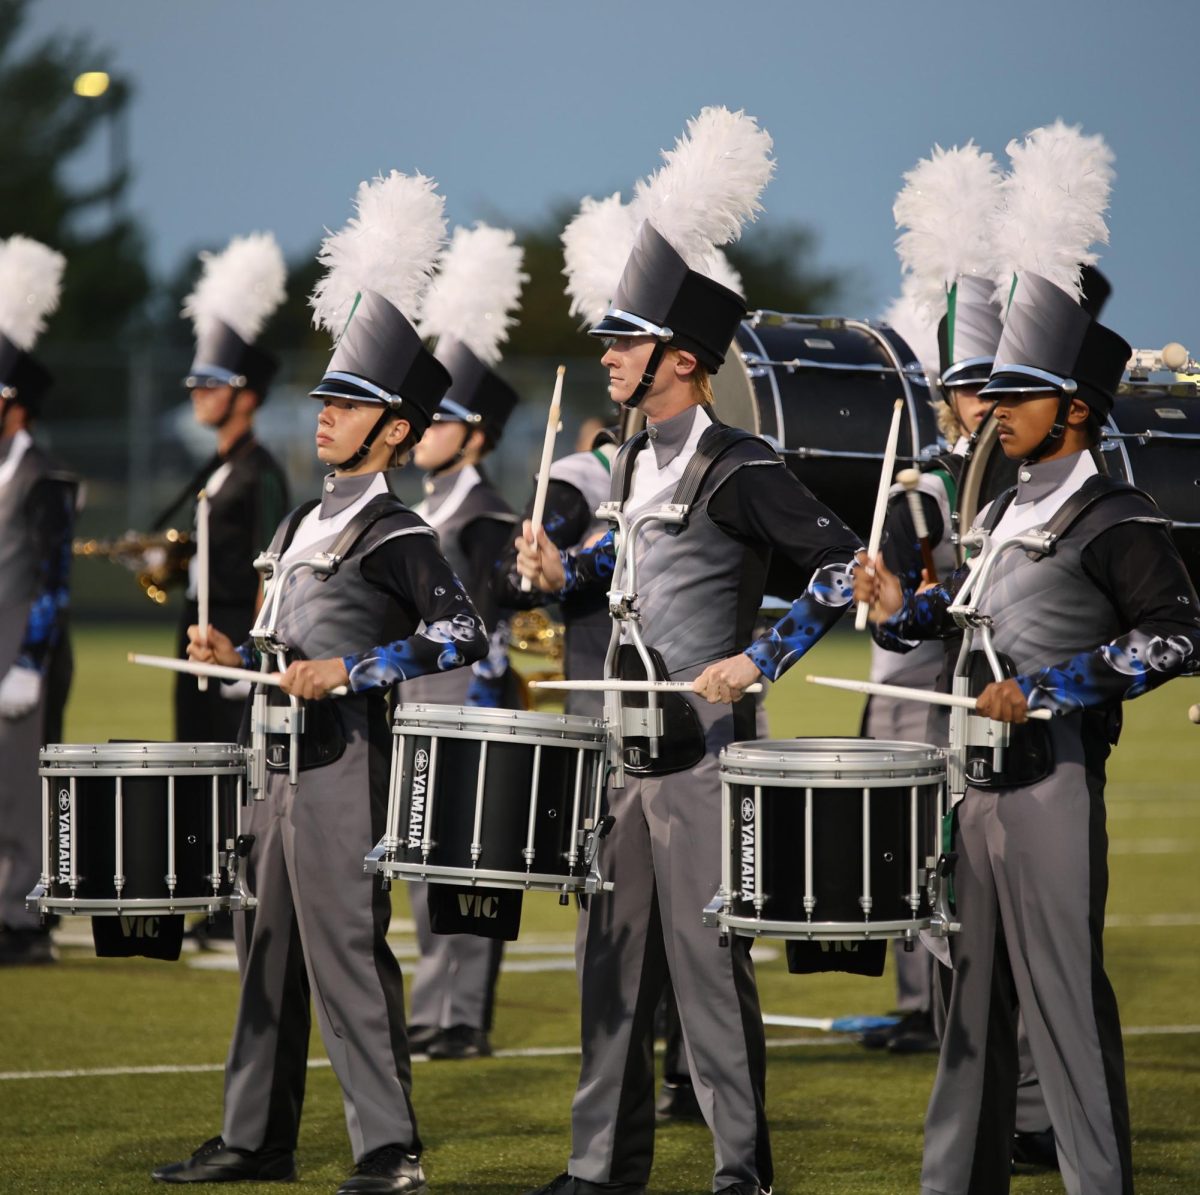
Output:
x=237 y=292
x=321 y=924
x=469 y=309
x=37 y=514
x=1105 y=615
x=669 y=327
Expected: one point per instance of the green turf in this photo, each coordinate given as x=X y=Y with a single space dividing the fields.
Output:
x=843 y=1119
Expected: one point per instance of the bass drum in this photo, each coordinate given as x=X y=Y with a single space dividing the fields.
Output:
x=821 y=389
x=1151 y=440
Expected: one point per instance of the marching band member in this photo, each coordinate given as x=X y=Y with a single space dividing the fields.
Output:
x=320 y=925
x=238 y=290
x=1104 y=616
x=468 y=309
x=37 y=514
x=668 y=328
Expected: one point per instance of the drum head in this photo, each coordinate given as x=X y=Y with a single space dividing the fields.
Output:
x=496 y=723
x=148 y=757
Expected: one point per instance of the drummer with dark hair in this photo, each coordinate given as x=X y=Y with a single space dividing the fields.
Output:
x=368 y=601
x=468 y=310
x=669 y=327
x=1077 y=625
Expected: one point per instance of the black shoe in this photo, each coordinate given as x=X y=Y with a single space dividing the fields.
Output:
x=1035 y=1149
x=421 y=1037
x=677 y=1101
x=390 y=1168
x=568 y=1184
x=458 y=1042
x=26 y=948
x=216 y=1162
x=745 y=1189
x=914 y=1035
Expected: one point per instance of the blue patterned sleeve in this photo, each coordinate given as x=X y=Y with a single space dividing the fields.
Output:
x=52 y=519
x=1140 y=570
x=591 y=568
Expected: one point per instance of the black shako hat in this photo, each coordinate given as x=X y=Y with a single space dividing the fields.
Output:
x=659 y=296
x=1051 y=343
x=23 y=378
x=969 y=332
x=223 y=358
x=381 y=359
x=477 y=395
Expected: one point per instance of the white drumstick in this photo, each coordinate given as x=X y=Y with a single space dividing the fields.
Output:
x=202 y=575
x=910 y=479
x=216 y=671
x=907 y=694
x=625 y=686
x=885 y=484
x=543 y=481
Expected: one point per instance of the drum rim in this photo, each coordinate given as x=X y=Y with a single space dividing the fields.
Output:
x=186 y=756
x=842 y=755
x=528 y=722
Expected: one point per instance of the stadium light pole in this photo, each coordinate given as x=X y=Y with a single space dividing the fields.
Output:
x=110 y=94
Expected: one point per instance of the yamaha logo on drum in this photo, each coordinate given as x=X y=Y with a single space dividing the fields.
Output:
x=64 y=836
x=747 y=848
x=420 y=785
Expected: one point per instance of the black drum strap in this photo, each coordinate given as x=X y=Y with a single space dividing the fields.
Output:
x=1095 y=489
x=997 y=509
x=714 y=444
x=622 y=470
x=348 y=539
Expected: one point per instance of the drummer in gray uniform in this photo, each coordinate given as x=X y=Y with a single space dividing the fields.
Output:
x=669 y=328
x=37 y=513
x=453 y=990
x=391 y=610
x=1104 y=616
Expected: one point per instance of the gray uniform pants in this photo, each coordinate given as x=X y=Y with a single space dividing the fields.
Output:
x=663 y=857
x=1030 y=885
x=320 y=926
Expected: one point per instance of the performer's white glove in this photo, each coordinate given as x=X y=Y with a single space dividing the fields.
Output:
x=19 y=691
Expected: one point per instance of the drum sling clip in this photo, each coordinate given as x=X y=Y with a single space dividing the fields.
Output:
x=592 y=835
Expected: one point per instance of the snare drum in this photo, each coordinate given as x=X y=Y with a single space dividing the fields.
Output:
x=501 y=798
x=145 y=828
x=828 y=838
x=822 y=389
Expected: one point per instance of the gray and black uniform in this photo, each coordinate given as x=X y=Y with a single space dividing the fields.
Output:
x=455 y=980
x=37 y=516
x=1108 y=614
x=321 y=923
x=699 y=594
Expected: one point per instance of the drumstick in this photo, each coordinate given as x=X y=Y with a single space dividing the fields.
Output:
x=885 y=484
x=625 y=686
x=217 y=671
x=1194 y=714
x=910 y=479
x=543 y=481
x=202 y=575
x=907 y=694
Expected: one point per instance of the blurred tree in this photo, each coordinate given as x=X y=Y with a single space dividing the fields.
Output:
x=42 y=124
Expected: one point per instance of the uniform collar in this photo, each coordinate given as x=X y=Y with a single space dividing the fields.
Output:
x=1039 y=479
x=340 y=493
x=670 y=435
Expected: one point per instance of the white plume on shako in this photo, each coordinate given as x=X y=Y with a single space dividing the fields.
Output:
x=915 y=321
x=946 y=212
x=30 y=284
x=241 y=287
x=476 y=290
x=390 y=246
x=1053 y=205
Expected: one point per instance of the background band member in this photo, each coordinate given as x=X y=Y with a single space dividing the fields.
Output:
x=452 y=994
x=238 y=290
x=37 y=514
x=1105 y=615
x=320 y=925
x=668 y=328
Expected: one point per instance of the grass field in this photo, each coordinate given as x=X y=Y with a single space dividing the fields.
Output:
x=843 y=1120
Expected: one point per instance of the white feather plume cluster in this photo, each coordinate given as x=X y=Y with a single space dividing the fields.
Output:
x=946 y=212
x=709 y=184
x=1054 y=200
x=911 y=316
x=720 y=269
x=596 y=244
x=241 y=287
x=30 y=284
x=390 y=245
x=476 y=291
